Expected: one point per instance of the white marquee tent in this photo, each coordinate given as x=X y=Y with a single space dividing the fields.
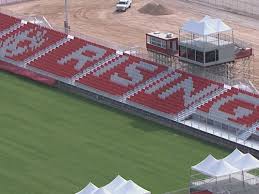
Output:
x=90 y=188
x=102 y=191
x=234 y=156
x=115 y=184
x=246 y=163
x=205 y=165
x=214 y=168
x=118 y=186
x=233 y=163
x=221 y=168
x=131 y=188
x=206 y=26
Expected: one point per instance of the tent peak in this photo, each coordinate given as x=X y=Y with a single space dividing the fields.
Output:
x=206 y=26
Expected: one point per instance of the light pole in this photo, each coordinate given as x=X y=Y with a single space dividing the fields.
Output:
x=66 y=26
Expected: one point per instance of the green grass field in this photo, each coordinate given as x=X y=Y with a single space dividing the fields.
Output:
x=55 y=143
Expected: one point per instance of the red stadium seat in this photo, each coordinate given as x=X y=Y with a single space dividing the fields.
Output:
x=233 y=106
x=121 y=75
x=72 y=57
x=28 y=40
x=7 y=21
x=175 y=92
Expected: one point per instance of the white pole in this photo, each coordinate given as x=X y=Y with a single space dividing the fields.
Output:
x=66 y=27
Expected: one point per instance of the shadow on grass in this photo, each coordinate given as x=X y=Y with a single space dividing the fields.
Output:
x=136 y=121
x=151 y=126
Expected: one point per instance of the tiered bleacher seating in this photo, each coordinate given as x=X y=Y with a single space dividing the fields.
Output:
x=27 y=40
x=121 y=74
x=72 y=57
x=7 y=21
x=235 y=106
x=175 y=92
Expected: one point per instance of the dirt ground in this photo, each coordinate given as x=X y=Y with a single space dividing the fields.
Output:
x=98 y=18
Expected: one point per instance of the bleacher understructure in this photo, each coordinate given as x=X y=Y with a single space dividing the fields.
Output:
x=128 y=79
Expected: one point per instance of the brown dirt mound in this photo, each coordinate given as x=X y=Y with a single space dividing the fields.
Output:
x=155 y=9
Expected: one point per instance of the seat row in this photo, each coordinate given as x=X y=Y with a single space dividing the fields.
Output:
x=72 y=57
x=121 y=74
x=27 y=40
x=7 y=21
x=175 y=92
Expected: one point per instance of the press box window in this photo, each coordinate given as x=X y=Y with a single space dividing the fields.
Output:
x=182 y=51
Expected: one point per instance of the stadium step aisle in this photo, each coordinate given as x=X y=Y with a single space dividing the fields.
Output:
x=120 y=75
x=175 y=92
x=46 y=50
x=27 y=40
x=72 y=57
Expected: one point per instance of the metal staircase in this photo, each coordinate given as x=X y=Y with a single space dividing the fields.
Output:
x=192 y=109
x=245 y=135
x=91 y=68
x=45 y=51
x=145 y=84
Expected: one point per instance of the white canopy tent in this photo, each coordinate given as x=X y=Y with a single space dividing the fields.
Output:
x=117 y=186
x=206 y=26
x=246 y=163
x=204 y=166
x=214 y=168
x=234 y=156
x=243 y=162
x=233 y=163
x=221 y=168
x=89 y=189
x=102 y=191
x=131 y=188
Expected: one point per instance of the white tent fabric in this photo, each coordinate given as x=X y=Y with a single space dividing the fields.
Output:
x=205 y=165
x=115 y=184
x=206 y=26
x=246 y=163
x=89 y=189
x=131 y=188
x=118 y=186
x=233 y=163
x=214 y=168
x=102 y=191
x=221 y=168
x=233 y=157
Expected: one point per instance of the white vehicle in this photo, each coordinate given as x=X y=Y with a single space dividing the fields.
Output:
x=123 y=5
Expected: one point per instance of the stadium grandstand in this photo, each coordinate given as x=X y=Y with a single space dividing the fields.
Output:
x=55 y=58
x=128 y=79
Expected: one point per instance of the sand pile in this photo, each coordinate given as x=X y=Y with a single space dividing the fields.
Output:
x=156 y=9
